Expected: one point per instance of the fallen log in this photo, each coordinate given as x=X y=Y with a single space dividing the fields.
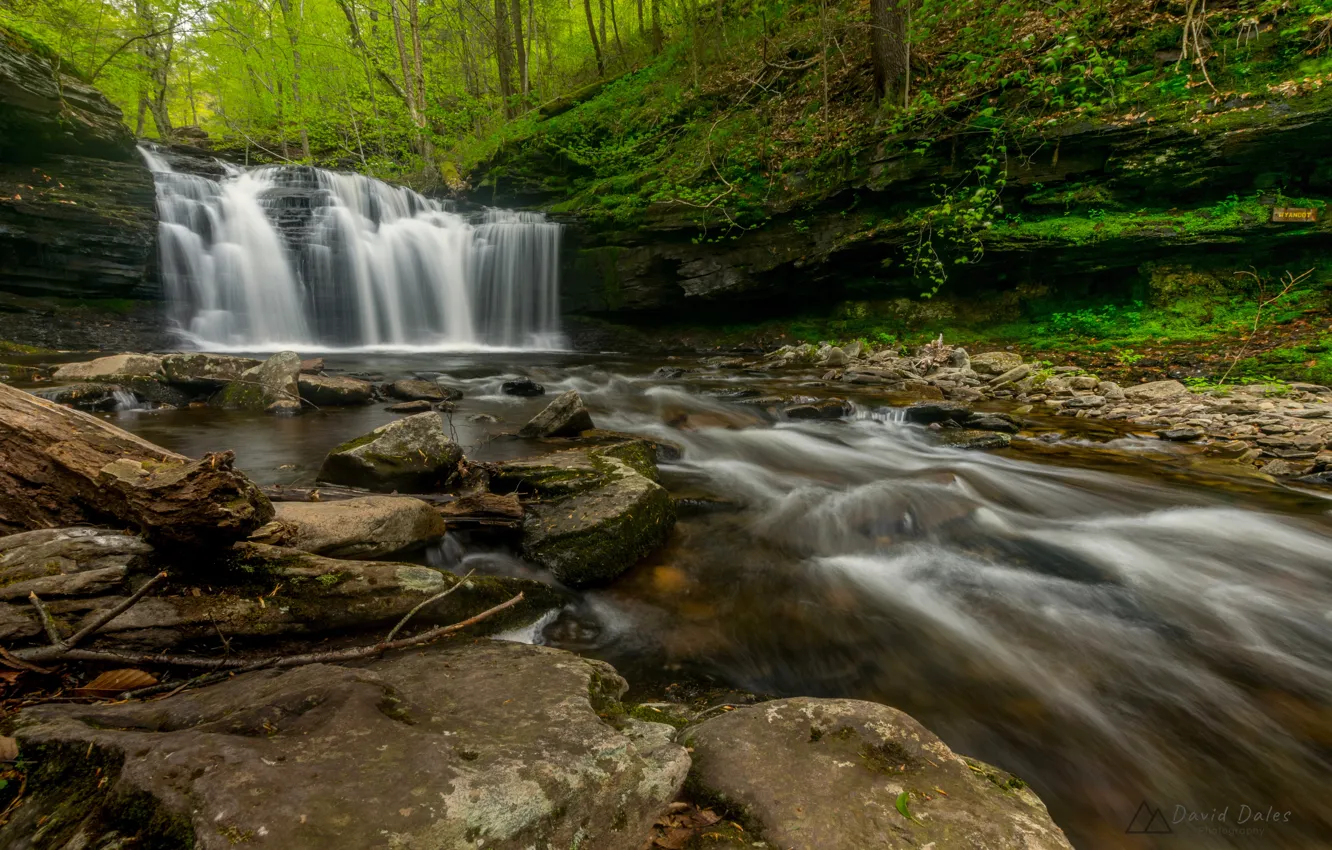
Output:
x=60 y=467
x=483 y=510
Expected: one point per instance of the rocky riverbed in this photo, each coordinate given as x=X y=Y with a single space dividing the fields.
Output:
x=324 y=736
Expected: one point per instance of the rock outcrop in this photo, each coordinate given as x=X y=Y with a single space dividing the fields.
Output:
x=495 y=745
x=825 y=774
x=77 y=206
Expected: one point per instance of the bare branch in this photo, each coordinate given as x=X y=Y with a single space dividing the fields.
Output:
x=420 y=605
x=48 y=624
x=110 y=615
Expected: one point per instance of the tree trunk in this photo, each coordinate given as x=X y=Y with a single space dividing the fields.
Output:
x=409 y=94
x=642 y=30
x=656 y=27
x=602 y=24
x=615 y=27
x=888 y=50
x=60 y=467
x=519 y=49
x=596 y=45
x=294 y=39
x=504 y=55
x=418 y=71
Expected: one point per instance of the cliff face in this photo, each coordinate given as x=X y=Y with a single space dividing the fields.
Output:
x=77 y=212
x=1086 y=206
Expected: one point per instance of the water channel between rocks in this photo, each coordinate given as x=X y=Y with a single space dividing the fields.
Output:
x=1114 y=627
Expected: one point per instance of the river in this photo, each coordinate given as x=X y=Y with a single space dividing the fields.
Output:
x=1104 y=617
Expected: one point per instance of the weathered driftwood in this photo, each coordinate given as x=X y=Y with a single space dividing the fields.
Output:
x=486 y=510
x=60 y=467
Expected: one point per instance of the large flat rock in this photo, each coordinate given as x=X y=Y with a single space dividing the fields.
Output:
x=366 y=527
x=823 y=774
x=488 y=745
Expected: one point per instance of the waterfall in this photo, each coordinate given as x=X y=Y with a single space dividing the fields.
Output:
x=295 y=256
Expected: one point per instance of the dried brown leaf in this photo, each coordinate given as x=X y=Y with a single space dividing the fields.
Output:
x=113 y=683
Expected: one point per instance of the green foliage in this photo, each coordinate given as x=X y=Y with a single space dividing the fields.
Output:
x=952 y=229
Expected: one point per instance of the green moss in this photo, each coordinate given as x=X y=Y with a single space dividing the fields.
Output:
x=654 y=715
x=77 y=788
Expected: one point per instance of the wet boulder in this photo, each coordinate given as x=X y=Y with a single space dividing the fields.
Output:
x=969 y=438
x=525 y=387
x=55 y=562
x=203 y=372
x=410 y=407
x=825 y=774
x=826 y=408
x=90 y=396
x=413 y=454
x=413 y=390
x=367 y=527
x=489 y=744
x=564 y=417
x=929 y=413
x=593 y=535
x=271 y=386
x=993 y=422
x=114 y=369
x=332 y=391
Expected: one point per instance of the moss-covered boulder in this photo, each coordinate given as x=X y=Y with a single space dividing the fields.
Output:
x=612 y=516
x=825 y=774
x=484 y=744
x=201 y=372
x=412 y=455
x=271 y=386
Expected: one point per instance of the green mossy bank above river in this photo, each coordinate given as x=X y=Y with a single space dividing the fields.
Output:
x=1068 y=186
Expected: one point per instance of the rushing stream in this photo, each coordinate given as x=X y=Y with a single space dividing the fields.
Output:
x=1154 y=634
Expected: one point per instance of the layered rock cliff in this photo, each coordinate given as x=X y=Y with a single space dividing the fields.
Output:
x=77 y=210
x=1085 y=206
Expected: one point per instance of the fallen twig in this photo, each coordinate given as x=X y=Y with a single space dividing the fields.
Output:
x=110 y=615
x=420 y=605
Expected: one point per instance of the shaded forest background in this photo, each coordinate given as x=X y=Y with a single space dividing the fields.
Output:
x=432 y=87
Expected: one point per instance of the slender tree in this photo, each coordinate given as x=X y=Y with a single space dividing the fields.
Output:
x=592 y=33
x=520 y=51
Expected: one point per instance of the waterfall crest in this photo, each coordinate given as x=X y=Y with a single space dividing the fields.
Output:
x=296 y=256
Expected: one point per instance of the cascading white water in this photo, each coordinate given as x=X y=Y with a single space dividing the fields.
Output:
x=283 y=256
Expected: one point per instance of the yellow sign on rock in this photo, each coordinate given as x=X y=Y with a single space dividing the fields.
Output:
x=1294 y=214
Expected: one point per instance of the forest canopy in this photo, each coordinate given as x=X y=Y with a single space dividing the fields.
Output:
x=399 y=87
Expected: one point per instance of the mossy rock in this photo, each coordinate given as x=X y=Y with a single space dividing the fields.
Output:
x=411 y=455
x=595 y=535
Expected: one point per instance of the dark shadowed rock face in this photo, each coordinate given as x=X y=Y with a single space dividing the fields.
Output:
x=78 y=214
x=826 y=774
x=489 y=745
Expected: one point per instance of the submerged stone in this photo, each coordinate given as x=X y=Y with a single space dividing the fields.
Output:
x=522 y=387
